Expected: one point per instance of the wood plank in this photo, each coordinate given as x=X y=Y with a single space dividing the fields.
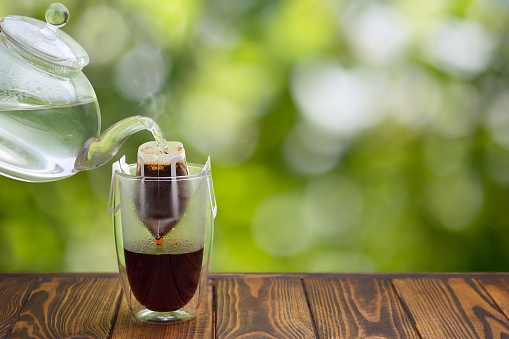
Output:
x=452 y=308
x=262 y=308
x=357 y=308
x=199 y=327
x=498 y=289
x=69 y=307
x=13 y=294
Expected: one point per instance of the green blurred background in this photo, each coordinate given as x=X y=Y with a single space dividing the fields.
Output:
x=344 y=135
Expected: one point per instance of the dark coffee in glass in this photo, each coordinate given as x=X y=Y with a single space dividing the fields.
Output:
x=163 y=282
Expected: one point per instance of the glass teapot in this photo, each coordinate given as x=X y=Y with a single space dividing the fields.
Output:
x=49 y=115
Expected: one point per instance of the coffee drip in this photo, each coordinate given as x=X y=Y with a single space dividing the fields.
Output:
x=160 y=204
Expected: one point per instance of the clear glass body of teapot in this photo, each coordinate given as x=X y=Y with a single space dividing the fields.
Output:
x=47 y=113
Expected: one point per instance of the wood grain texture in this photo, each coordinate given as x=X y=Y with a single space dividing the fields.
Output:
x=262 y=308
x=69 y=307
x=357 y=308
x=13 y=294
x=452 y=308
x=199 y=327
x=267 y=305
x=498 y=289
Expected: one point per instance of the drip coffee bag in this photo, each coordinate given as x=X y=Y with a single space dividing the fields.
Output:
x=162 y=198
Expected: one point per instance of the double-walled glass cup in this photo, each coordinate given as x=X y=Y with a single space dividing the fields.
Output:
x=163 y=234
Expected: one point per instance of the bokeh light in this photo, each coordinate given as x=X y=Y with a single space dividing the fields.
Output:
x=103 y=32
x=460 y=47
x=340 y=100
x=378 y=34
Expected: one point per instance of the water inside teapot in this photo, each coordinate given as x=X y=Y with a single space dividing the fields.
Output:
x=40 y=143
x=46 y=143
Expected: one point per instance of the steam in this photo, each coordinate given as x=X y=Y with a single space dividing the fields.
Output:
x=141 y=73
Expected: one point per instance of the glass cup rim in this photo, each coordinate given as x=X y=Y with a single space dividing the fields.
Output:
x=201 y=174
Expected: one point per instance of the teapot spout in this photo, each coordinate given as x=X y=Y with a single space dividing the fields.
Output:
x=98 y=151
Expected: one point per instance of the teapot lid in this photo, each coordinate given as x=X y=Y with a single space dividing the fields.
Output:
x=45 y=40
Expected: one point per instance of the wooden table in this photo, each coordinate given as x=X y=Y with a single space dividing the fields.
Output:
x=68 y=305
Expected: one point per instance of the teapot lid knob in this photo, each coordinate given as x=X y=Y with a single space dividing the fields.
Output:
x=57 y=15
